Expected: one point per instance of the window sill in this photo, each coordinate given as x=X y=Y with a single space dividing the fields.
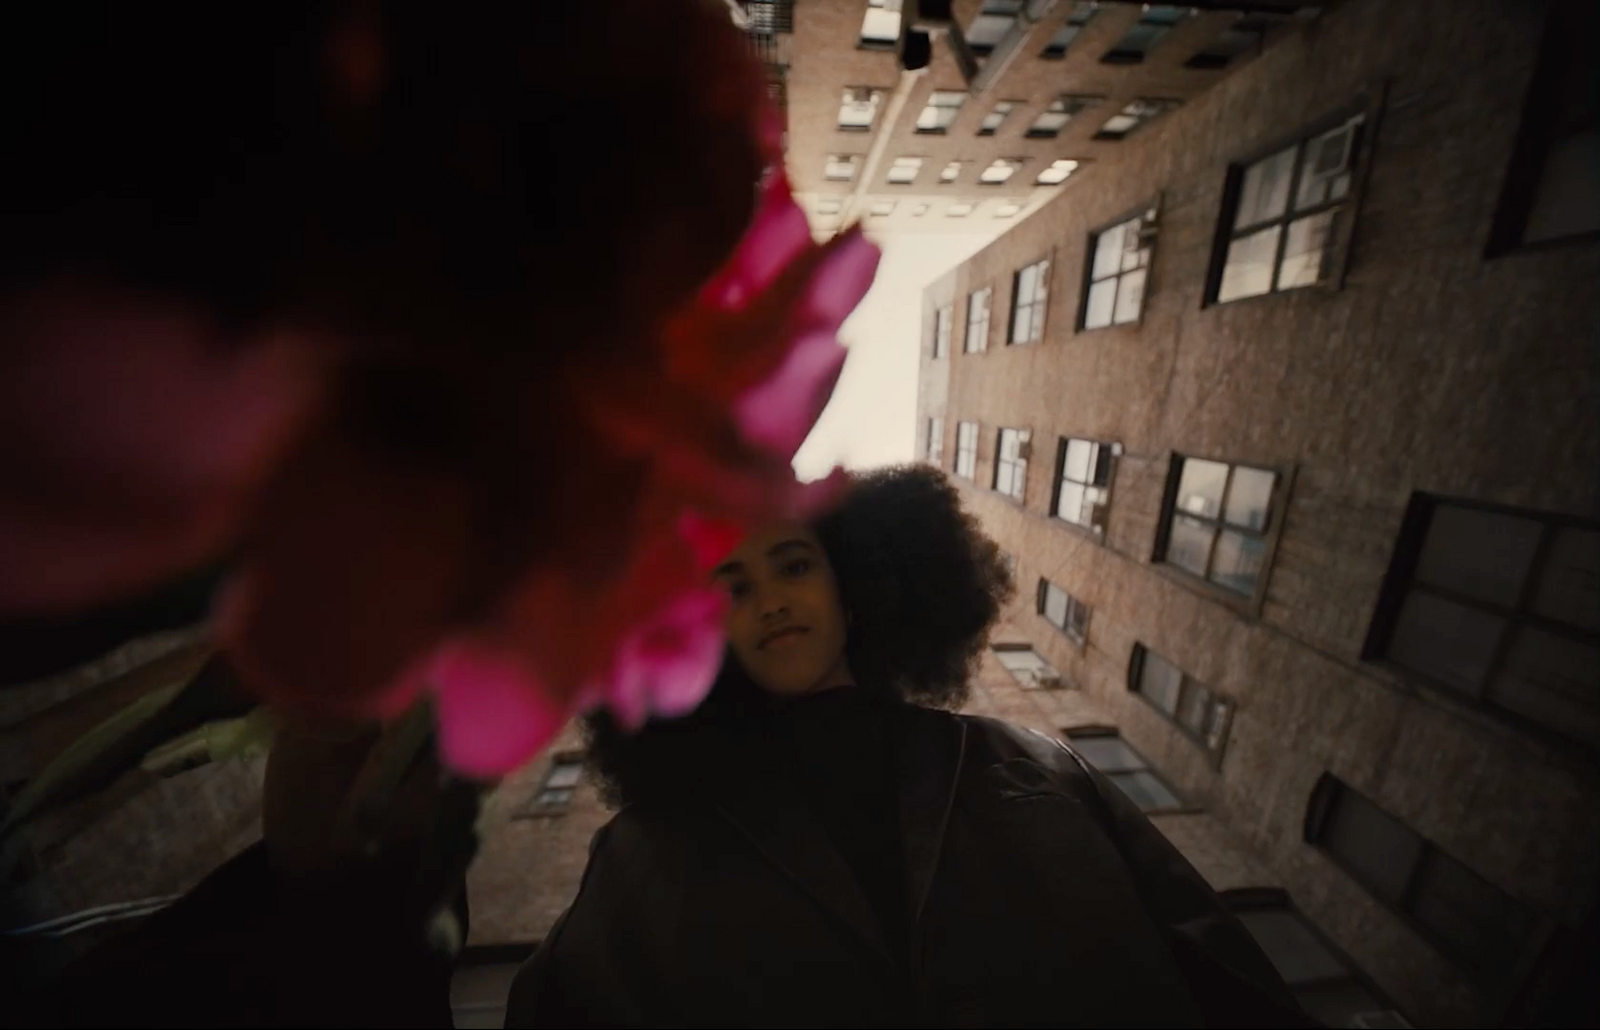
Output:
x=931 y=132
x=854 y=128
x=1087 y=532
x=1248 y=607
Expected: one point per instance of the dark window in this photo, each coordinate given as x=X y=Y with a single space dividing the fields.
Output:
x=1550 y=191
x=1501 y=606
x=1063 y=611
x=859 y=108
x=936 y=440
x=1154 y=22
x=1026 y=666
x=1323 y=980
x=1476 y=924
x=1244 y=36
x=554 y=795
x=1137 y=113
x=941 y=333
x=1122 y=765
x=1061 y=111
x=1197 y=710
x=1217 y=521
x=1284 y=221
x=997 y=115
x=880 y=26
x=1083 y=482
x=977 y=340
x=967 y=449
x=991 y=25
x=1011 y=462
x=1057 y=47
x=940 y=111
x=1030 y=289
x=1119 y=262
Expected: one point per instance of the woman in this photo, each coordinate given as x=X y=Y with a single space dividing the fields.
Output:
x=822 y=844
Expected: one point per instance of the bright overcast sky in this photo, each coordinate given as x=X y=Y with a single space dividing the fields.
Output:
x=871 y=420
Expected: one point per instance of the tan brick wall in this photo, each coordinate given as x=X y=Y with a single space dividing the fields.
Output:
x=1432 y=369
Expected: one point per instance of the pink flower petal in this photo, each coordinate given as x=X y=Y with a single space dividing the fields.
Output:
x=778 y=414
x=667 y=665
x=493 y=714
x=777 y=235
x=843 y=278
x=710 y=539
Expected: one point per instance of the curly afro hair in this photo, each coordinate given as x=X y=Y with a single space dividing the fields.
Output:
x=922 y=585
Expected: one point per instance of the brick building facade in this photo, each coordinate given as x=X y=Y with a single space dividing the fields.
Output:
x=1296 y=470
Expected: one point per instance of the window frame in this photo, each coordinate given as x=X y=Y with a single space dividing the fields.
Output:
x=537 y=808
x=1034 y=305
x=971 y=475
x=854 y=160
x=877 y=42
x=1085 y=102
x=1167 y=104
x=1148 y=215
x=1248 y=606
x=943 y=316
x=1010 y=109
x=928 y=104
x=933 y=444
x=1326 y=794
x=894 y=163
x=1050 y=51
x=876 y=93
x=1399 y=581
x=1370 y=106
x=988 y=317
x=1187 y=684
x=1113 y=451
x=1092 y=731
x=1024 y=438
x=1074 y=603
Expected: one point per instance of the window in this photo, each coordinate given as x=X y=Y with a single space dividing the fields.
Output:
x=1057 y=173
x=936 y=440
x=1063 y=611
x=1481 y=928
x=829 y=205
x=768 y=17
x=1217 y=519
x=941 y=110
x=1119 y=261
x=997 y=115
x=992 y=24
x=859 y=108
x=1549 y=192
x=960 y=209
x=1026 y=667
x=1156 y=21
x=880 y=26
x=1321 y=978
x=1137 y=113
x=904 y=170
x=1057 y=47
x=1011 y=462
x=941 y=333
x=1007 y=209
x=1285 y=215
x=950 y=172
x=998 y=171
x=1083 y=482
x=1244 y=36
x=1009 y=560
x=841 y=167
x=919 y=210
x=1107 y=752
x=1061 y=111
x=880 y=208
x=967 y=449
x=1500 y=606
x=555 y=791
x=977 y=340
x=1029 y=294
x=1199 y=712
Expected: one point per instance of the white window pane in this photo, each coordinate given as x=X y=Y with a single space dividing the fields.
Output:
x=1080 y=453
x=1049 y=123
x=1248 y=269
x=1101 y=304
x=1055 y=604
x=1130 y=297
x=1056 y=173
x=1250 y=497
x=1146 y=790
x=564 y=774
x=1160 y=681
x=1119 y=124
x=1108 y=252
x=1108 y=754
x=1482 y=554
x=1238 y=561
x=1264 y=191
x=1296 y=952
x=1189 y=544
x=880 y=26
x=1448 y=641
x=1070 y=504
x=997 y=172
x=1021 y=661
x=1023 y=325
x=1327 y=158
x=1200 y=487
x=1373 y=844
x=1306 y=249
x=1569 y=585
x=551 y=796
x=1027 y=279
x=1077 y=619
x=1552 y=679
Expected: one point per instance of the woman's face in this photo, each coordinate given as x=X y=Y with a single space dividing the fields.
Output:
x=785 y=624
